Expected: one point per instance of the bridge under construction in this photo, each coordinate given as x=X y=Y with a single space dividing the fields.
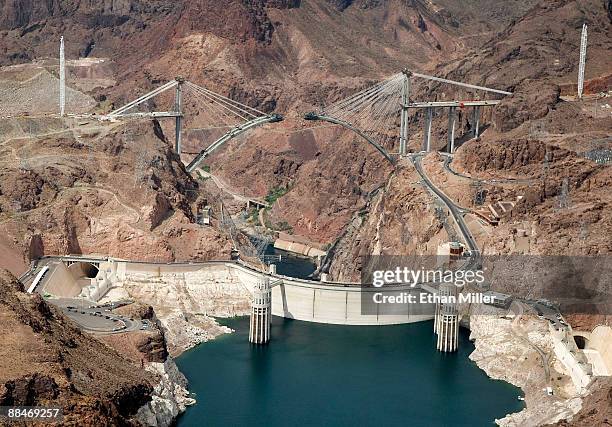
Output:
x=371 y=113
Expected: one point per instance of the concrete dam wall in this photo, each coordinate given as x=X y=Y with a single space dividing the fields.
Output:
x=292 y=298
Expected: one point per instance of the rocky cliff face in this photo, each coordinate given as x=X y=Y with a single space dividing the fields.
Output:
x=114 y=191
x=94 y=27
x=541 y=44
x=22 y=14
x=170 y=396
x=283 y=55
x=596 y=410
x=531 y=100
x=396 y=221
x=507 y=350
x=47 y=361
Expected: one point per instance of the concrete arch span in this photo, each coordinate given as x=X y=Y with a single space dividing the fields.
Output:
x=377 y=146
x=273 y=118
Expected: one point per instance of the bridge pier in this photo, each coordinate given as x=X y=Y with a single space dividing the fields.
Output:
x=261 y=312
x=476 y=121
x=404 y=114
x=446 y=321
x=178 y=106
x=427 y=131
x=452 y=118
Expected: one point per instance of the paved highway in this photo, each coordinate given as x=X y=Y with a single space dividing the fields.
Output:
x=455 y=211
x=448 y=159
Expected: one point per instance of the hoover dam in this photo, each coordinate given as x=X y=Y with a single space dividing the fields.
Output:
x=317 y=212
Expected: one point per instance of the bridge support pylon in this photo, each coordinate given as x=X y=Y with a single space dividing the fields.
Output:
x=404 y=113
x=261 y=312
x=427 y=130
x=476 y=121
x=446 y=321
x=452 y=118
x=178 y=107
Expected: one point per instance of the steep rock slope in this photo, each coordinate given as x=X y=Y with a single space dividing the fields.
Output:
x=533 y=122
x=97 y=188
x=542 y=44
x=274 y=55
x=397 y=220
x=47 y=361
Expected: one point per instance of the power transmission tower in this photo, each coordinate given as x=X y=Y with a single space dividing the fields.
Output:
x=62 y=73
x=564 y=200
x=480 y=194
x=406 y=236
x=404 y=112
x=583 y=49
x=545 y=164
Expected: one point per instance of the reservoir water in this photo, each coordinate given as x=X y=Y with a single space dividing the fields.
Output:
x=327 y=375
x=292 y=265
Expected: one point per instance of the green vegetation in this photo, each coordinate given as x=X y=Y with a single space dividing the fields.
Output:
x=273 y=195
x=284 y=226
x=276 y=193
x=206 y=168
x=253 y=215
x=200 y=176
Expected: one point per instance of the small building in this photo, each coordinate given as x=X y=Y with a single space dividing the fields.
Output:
x=499 y=299
x=203 y=217
x=449 y=253
x=455 y=250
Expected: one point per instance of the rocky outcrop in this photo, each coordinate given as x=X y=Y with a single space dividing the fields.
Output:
x=23 y=13
x=123 y=194
x=540 y=44
x=564 y=204
x=530 y=101
x=596 y=410
x=27 y=390
x=508 y=350
x=47 y=361
x=170 y=396
x=282 y=4
x=340 y=4
x=140 y=346
x=396 y=221
x=517 y=156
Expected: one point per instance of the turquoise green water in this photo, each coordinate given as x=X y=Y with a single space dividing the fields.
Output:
x=326 y=375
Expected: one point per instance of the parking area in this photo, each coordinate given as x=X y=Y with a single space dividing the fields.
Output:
x=98 y=319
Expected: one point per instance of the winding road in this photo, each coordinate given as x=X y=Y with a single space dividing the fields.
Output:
x=522 y=335
x=222 y=185
x=455 y=210
x=448 y=159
